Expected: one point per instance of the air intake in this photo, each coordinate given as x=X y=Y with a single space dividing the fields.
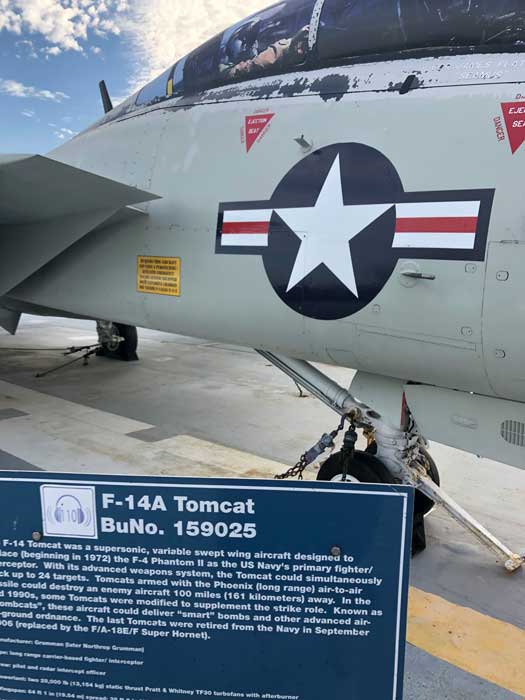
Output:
x=513 y=432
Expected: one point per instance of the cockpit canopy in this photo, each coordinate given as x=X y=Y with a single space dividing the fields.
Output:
x=304 y=33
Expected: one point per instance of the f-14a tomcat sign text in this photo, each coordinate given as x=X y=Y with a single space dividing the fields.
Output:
x=118 y=588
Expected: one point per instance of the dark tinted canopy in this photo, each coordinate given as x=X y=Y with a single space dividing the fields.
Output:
x=360 y=27
x=289 y=35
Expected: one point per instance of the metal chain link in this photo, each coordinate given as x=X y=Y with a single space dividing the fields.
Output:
x=326 y=442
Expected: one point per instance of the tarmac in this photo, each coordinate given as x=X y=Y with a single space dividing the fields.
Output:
x=195 y=408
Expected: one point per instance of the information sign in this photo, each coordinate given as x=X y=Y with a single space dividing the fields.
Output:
x=124 y=588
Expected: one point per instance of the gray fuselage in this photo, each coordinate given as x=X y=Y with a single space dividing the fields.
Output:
x=463 y=329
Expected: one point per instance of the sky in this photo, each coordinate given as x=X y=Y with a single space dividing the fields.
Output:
x=54 y=52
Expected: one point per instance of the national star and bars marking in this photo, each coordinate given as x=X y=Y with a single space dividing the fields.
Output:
x=353 y=230
x=432 y=225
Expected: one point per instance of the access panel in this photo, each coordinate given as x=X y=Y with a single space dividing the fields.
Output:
x=504 y=319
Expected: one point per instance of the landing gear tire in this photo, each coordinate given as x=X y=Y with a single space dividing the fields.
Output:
x=365 y=468
x=126 y=350
x=423 y=504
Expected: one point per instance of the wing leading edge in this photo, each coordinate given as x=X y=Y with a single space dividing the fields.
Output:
x=47 y=206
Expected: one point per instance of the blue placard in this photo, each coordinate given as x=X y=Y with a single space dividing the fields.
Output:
x=123 y=588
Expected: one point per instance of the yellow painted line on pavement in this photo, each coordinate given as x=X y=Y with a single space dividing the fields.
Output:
x=476 y=643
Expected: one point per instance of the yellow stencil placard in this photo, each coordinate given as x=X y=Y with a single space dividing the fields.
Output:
x=158 y=275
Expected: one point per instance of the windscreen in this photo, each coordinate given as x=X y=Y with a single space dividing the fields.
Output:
x=270 y=41
x=176 y=79
x=202 y=66
x=154 y=91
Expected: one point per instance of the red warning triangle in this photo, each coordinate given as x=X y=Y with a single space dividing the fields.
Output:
x=255 y=125
x=514 y=114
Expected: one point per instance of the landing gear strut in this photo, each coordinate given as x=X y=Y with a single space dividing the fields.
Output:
x=400 y=454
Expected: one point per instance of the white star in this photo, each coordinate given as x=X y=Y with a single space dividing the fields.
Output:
x=326 y=229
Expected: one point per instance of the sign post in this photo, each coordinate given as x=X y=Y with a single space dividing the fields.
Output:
x=123 y=588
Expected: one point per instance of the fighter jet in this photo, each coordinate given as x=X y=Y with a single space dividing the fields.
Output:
x=332 y=181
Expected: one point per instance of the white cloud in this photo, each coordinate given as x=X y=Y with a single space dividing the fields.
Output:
x=160 y=31
x=64 y=134
x=28 y=113
x=16 y=89
x=65 y=24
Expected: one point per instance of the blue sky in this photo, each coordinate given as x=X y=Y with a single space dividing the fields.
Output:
x=38 y=123
x=54 y=52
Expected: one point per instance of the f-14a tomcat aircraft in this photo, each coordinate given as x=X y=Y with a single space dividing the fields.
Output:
x=339 y=181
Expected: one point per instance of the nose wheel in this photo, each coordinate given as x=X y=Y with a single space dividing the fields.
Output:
x=361 y=468
x=364 y=467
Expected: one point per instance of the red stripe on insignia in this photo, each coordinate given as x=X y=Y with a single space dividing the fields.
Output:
x=449 y=224
x=246 y=227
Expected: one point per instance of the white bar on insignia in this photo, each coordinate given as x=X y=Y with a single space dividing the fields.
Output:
x=437 y=210
x=259 y=240
x=257 y=215
x=450 y=241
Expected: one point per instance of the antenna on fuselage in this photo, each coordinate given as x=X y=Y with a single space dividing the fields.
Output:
x=106 y=99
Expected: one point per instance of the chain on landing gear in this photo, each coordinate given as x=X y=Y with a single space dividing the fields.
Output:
x=327 y=442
